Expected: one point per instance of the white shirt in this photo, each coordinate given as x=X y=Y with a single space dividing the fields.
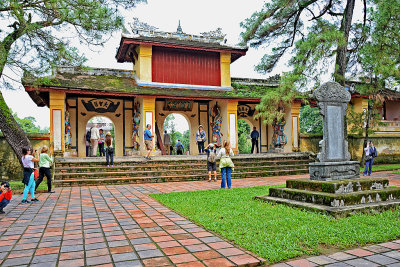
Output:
x=95 y=133
x=27 y=161
x=366 y=151
x=222 y=153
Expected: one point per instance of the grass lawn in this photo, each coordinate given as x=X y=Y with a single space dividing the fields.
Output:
x=385 y=167
x=277 y=232
x=18 y=187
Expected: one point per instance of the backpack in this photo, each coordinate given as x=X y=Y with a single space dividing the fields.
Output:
x=375 y=152
x=212 y=157
x=179 y=148
x=88 y=135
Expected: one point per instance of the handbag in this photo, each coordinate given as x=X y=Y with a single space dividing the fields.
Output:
x=35 y=173
x=368 y=157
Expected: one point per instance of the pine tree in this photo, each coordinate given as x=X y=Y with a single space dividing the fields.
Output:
x=32 y=41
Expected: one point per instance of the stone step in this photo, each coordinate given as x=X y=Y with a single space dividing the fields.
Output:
x=336 y=200
x=170 y=178
x=132 y=171
x=338 y=186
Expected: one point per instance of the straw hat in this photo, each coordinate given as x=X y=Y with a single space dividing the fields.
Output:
x=108 y=133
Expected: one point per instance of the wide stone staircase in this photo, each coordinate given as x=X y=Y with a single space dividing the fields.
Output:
x=93 y=171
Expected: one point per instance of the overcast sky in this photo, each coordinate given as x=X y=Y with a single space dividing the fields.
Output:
x=195 y=17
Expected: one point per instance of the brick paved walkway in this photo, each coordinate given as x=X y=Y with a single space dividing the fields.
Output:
x=122 y=226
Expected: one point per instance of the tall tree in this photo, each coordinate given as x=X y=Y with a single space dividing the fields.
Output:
x=34 y=37
x=319 y=33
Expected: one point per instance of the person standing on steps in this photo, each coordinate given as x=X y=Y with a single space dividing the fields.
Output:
x=167 y=142
x=179 y=148
x=94 y=139
x=148 y=140
x=109 y=150
x=101 y=143
x=44 y=169
x=225 y=164
x=87 y=141
x=370 y=154
x=28 y=161
x=200 y=139
x=254 y=139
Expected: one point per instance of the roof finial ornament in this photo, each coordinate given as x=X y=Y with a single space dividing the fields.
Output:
x=179 y=29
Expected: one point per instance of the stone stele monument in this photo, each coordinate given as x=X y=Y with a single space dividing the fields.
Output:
x=335 y=186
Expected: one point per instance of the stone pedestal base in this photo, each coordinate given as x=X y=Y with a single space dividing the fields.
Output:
x=330 y=171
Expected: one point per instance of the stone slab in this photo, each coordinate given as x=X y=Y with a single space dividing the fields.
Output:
x=337 y=212
x=328 y=171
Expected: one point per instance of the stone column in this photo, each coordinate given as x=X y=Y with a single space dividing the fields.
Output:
x=57 y=121
x=334 y=156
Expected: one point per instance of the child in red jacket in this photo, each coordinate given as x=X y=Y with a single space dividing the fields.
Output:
x=5 y=195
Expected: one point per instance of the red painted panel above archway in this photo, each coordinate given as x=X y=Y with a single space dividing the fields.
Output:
x=181 y=66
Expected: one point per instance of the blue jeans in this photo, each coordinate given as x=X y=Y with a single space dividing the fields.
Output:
x=110 y=155
x=226 y=176
x=31 y=187
x=368 y=166
x=4 y=203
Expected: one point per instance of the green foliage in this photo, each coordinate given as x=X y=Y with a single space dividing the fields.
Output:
x=386 y=167
x=169 y=125
x=278 y=232
x=310 y=120
x=244 y=143
x=27 y=124
x=357 y=121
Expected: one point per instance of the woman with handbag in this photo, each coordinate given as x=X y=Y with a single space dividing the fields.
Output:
x=28 y=161
x=109 y=150
x=370 y=154
x=225 y=164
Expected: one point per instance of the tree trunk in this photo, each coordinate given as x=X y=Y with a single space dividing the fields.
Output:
x=369 y=112
x=341 y=56
x=14 y=135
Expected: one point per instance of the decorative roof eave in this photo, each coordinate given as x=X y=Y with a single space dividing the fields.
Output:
x=82 y=91
x=126 y=42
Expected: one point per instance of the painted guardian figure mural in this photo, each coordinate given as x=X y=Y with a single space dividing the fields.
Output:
x=216 y=121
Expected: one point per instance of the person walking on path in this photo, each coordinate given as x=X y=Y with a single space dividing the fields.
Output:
x=109 y=150
x=44 y=169
x=5 y=195
x=200 y=139
x=167 y=142
x=94 y=139
x=101 y=143
x=254 y=139
x=28 y=161
x=226 y=165
x=148 y=140
x=370 y=154
x=179 y=148
x=211 y=161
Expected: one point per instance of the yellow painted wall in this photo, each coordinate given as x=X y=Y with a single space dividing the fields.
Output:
x=225 y=58
x=57 y=102
x=295 y=115
x=148 y=104
x=144 y=70
x=83 y=120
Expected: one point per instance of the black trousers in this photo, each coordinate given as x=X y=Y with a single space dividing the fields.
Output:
x=254 y=142
x=101 y=150
x=200 y=145
x=44 y=172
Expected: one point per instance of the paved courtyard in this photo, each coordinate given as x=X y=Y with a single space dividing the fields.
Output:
x=122 y=226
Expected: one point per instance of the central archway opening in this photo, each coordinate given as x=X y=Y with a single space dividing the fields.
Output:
x=244 y=140
x=102 y=125
x=177 y=127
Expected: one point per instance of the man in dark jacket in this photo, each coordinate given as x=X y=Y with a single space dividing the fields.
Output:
x=254 y=139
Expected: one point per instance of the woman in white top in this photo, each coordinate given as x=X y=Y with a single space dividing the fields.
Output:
x=29 y=178
x=226 y=165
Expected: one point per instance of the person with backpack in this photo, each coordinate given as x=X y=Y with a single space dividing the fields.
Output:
x=179 y=148
x=109 y=150
x=370 y=154
x=211 y=161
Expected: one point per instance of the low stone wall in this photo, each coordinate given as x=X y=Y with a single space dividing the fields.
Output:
x=9 y=165
x=388 y=147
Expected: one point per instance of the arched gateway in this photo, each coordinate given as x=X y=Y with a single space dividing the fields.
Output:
x=171 y=73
